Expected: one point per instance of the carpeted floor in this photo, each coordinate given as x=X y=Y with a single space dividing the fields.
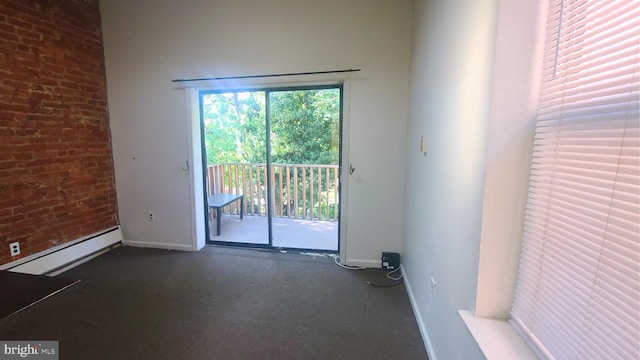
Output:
x=221 y=303
x=19 y=291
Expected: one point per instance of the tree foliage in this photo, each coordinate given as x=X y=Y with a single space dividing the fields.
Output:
x=304 y=130
x=304 y=127
x=234 y=125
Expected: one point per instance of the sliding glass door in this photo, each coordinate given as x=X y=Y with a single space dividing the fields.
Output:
x=272 y=166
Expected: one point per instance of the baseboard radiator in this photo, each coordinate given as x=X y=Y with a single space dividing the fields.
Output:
x=65 y=256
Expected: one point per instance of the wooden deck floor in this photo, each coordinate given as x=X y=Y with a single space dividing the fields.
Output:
x=289 y=233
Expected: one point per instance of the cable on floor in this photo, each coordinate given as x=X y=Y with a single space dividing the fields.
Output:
x=383 y=285
x=335 y=259
x=396 y=279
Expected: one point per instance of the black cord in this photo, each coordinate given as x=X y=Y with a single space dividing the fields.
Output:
x=383 y=285
x=397 y=280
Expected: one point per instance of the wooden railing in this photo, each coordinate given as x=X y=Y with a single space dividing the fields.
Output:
x=299 y=191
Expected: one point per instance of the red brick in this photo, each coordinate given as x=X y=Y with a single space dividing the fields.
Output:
x=55 y=155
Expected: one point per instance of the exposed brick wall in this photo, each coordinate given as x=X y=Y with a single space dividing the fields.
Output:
x=56 y=171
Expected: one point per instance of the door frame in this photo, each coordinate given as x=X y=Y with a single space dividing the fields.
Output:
x=196 y=137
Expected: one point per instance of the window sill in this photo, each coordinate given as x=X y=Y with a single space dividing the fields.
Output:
x=497 y=338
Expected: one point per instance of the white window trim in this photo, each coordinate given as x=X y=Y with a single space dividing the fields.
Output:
x=514 y=106
x=497 y=338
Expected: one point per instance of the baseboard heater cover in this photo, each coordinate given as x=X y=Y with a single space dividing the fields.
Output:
x=67 y=254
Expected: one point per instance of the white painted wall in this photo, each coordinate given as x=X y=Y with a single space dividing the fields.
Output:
x=148 y=43
x=451 y=73
x=473 y=97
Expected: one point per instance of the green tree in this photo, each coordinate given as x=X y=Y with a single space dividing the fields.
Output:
x=304 y=126
x=234 y=127
x=304 y=130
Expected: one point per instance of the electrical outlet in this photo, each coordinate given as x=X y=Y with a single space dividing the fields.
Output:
x=14 y=248
x=152 y=216
x=432 y=293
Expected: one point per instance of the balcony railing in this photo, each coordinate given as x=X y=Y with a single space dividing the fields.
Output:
x=298 y=191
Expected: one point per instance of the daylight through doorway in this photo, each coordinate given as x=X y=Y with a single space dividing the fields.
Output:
x=272 y=161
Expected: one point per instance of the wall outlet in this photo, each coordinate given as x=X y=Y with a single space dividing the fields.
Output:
x=14 y=248
x=151 y=216
x=432 y=292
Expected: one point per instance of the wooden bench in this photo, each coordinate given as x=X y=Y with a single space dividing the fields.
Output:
x=218 y=201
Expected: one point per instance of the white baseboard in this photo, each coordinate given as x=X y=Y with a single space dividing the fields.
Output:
x=364 y=263
x=67 y=255
x=418 y=315
x=147 y=244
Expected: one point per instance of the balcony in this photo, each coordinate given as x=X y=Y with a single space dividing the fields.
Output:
x=305 y=204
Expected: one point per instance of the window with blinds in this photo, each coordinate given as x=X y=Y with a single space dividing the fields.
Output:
x=578 y=291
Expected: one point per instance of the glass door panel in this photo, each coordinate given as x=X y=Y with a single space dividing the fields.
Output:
x=234 y=125
x=304 y=134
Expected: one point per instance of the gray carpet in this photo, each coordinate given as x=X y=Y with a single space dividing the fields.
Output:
x=19 y=291
x=221 y=303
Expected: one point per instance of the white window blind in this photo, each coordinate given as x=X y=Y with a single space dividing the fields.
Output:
x=578 y=291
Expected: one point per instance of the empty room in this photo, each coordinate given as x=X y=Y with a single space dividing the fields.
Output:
x=299 y=179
